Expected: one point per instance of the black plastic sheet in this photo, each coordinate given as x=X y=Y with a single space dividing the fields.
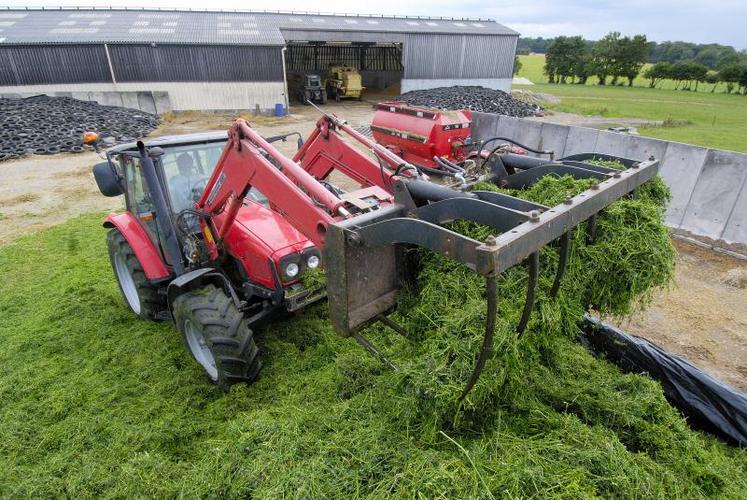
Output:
x=708 y=404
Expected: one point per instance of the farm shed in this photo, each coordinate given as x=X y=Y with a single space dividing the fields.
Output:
x=160 y=60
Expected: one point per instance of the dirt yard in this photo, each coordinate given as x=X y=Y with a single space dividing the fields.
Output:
x=704 y=317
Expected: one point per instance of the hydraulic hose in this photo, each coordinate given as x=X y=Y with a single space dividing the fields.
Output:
x=449 y=164
x=516 y=143
x=446 y=166
x=435 y=171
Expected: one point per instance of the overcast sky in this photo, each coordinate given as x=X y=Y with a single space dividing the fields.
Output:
x=702 y=21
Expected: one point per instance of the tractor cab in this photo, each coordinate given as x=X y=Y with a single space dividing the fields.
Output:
x=313 y=82
x=309 y=88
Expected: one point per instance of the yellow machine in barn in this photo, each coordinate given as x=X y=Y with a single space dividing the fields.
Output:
x=344 y=82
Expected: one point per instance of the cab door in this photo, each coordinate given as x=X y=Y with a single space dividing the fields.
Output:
x=139 y=201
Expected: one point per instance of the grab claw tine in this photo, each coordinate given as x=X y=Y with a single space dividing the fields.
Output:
x=534 y=265
x=491 y=289
x=367 y=345
x=565 y=251
x=591 y=230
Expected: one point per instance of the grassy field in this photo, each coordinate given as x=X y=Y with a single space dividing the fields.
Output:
x=533 y=68
x=97 y=403
x=708 y=119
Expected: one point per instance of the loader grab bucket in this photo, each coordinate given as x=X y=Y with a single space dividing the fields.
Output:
x=365 y=258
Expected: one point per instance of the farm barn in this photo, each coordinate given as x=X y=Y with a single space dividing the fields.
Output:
x=159 y=60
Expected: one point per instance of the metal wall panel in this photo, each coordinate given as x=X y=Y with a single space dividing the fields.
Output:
x=196 y=63
x=116 y=25
x=34 y=64
x=303 y=57
x=458 y=56
x=291 y=35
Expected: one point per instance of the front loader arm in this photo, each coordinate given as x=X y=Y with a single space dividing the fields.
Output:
x=250 y=161
x=325 y=150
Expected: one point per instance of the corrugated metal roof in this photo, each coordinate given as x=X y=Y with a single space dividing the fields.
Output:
x=44 y=26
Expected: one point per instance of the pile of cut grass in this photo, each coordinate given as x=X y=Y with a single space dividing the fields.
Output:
x=94 y=402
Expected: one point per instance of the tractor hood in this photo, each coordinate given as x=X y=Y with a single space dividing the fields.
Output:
x=269 y=227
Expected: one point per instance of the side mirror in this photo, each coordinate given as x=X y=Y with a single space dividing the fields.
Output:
x=107 y=179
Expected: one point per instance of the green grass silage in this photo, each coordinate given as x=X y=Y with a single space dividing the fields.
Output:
x=94 y=402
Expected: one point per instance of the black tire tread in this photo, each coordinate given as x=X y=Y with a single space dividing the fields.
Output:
x=152 y=301
x=225 y=330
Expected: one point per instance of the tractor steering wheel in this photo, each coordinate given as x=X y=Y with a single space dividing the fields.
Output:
x=198 y=187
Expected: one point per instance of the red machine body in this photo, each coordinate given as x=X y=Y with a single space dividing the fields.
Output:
x=261 y=239
x=419 y=134
x=136 y=233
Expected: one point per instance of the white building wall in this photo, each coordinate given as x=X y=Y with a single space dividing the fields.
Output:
x=161 y=97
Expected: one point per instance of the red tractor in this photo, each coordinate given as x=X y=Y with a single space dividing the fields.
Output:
x=220 y=230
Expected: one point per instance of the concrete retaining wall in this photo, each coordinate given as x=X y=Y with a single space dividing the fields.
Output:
x=161 y=97
x=709 y=186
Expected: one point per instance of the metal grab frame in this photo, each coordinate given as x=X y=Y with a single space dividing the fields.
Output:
x=364 y=258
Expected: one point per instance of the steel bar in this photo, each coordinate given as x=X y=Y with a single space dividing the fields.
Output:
x=565 y=251
x=533 y=264
x=370 y=348
x=485 y=213
x=491 y=289
x=393 y=325
x=516 y=245
x=591 y=229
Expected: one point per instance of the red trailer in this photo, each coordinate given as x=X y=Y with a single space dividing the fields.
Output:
x=418 y=134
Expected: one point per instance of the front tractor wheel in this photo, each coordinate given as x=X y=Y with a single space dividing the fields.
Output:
x=141 y=295
x=216 y=334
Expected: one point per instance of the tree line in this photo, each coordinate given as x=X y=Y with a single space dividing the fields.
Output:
x=615 y=59
x=711 y=55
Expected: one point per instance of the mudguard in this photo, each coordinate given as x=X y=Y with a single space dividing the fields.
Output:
x=145 y=251
x=199 y=278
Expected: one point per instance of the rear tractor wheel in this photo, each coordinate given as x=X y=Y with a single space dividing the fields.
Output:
x=143 y=297
x=216 y=334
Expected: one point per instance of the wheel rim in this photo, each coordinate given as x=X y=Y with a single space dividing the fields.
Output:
x=127 y=283
x=200 y=349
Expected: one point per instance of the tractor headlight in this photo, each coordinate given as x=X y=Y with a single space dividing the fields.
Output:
x=291 y=270
x=312 y=262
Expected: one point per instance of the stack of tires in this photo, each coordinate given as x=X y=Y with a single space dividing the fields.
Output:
x=44 y=125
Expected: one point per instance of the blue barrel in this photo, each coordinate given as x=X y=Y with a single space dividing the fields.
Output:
x=279 y=109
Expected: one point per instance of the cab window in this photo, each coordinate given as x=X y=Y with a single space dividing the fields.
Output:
x=139 y=198
x=187 y=169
